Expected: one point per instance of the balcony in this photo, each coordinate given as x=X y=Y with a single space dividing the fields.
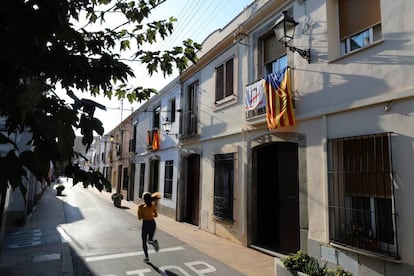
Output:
x=189 y=123
x=153 y=139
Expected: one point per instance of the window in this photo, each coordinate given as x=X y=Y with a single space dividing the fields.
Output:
x=224 y=80
x=189 y=115
x=223 y=186
x=361 y=211
x=132 y=141
x=125 y=179
x=156 y=117
x=141 y=179
x=360 y=24
x=172 y=110
x=279 y=65
x=168 y=178
x=275 y=66
x=275 y=57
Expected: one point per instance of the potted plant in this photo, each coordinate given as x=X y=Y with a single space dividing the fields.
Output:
x=303 y=264
x=116 y=198
x=59 y=189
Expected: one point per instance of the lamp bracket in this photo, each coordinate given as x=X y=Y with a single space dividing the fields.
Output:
x=303 y=53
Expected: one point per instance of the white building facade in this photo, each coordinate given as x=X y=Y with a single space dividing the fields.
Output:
x=156 y=152
x=336 y=183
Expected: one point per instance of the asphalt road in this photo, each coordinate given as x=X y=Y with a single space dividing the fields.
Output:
x=106 y=241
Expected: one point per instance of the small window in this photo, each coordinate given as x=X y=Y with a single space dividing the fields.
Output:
x=224 y=80
x=156 y=117
x=361 y=211
x=172 y=110
x=223 y=186
x=168 y=178
x=278 y=65
x=360 y=24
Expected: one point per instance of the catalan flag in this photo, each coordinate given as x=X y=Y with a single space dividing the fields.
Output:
x=279 y=102
x=156 y=140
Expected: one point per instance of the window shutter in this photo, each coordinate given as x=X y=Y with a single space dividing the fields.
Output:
x=356 y=16
x=229 y=77
x=273 y=49
x=219 y=82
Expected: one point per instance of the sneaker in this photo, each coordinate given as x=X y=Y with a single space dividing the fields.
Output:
x=146 y=260
x=156 y=245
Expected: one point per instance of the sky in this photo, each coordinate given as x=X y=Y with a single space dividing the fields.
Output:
x=196 y=19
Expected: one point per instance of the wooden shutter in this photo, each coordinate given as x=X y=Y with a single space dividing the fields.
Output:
x=219 y=82
x=356 y=16
x=229 y=77
x=273 y=49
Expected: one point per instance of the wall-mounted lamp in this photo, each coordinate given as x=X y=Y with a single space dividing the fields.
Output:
x=167 y=128
x=284 y=29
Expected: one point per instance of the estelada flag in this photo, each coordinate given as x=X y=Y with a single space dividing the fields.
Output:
x=279 y=102
x=156 y=140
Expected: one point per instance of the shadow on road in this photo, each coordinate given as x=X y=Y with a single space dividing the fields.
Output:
x=164 y=273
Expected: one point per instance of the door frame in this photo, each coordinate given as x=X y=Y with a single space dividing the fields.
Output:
x=251 y=183
x=182 y=188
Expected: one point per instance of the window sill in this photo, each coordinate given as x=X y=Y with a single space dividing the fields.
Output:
x=230 y=100
x=367 y=253
x=256 y=120
x=376 y=43
x=222 y=220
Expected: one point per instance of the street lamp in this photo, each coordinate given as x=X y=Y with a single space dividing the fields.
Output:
x=284 y=29
x=167 y=127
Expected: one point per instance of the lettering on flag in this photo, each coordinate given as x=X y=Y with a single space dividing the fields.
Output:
x=255 y=97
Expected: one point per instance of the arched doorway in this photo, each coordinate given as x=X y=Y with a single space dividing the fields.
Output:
x=275 y=198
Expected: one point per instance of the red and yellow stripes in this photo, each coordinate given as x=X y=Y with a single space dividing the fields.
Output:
x=279 y=104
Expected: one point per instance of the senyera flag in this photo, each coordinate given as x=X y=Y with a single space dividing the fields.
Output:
x=279 y=104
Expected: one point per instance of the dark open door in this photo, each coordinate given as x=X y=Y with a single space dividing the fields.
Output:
x=276 y=201
x=154 y=176
x=193 y=189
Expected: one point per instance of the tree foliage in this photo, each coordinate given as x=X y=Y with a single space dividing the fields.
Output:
x=47 y=44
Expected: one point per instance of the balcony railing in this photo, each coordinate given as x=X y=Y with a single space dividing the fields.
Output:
x=132 y=147
x=189 y=123
x=255 y=113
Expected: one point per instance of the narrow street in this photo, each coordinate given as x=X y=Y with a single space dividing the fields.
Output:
x=106 y=241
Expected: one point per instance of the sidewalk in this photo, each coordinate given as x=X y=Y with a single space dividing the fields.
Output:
x=37 y=248
x=241 y=258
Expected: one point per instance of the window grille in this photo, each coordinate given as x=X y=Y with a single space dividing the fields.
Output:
x=223 y=186
x=361 y=197
x=168 y=178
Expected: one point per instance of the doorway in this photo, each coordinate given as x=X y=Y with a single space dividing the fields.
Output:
x=192 y=208
x=154 y=176
x=276 y=197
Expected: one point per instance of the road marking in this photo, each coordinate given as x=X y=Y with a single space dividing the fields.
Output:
x=130 y=254
x=63 y=236
x=25 y=238
x=138 y=272
x=48 y=257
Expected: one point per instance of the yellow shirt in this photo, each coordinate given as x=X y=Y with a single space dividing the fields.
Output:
x=146 y=212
